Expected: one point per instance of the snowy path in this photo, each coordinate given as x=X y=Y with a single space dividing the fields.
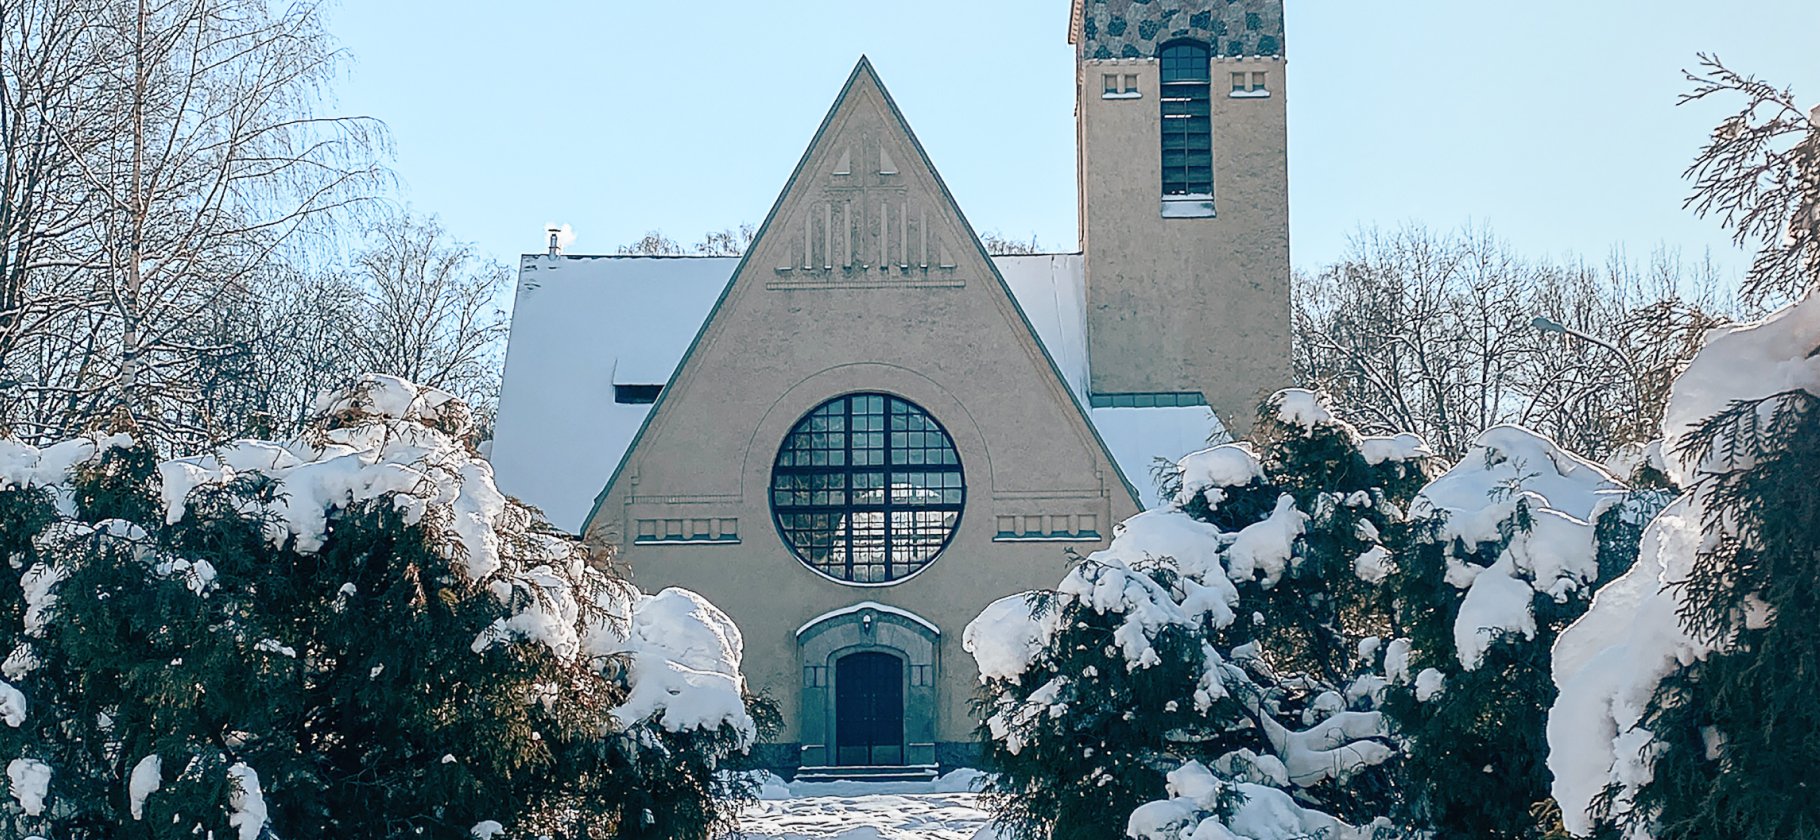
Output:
x=913 y=816
x=942 y=810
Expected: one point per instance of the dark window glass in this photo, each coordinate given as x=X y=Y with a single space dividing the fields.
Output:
x=1184 y=61
x=1187 y=119
x=636 y=394
x=867 y=488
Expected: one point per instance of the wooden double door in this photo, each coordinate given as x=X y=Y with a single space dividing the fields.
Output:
x=869 y=709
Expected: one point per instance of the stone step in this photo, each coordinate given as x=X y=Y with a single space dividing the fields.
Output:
x=875 y=773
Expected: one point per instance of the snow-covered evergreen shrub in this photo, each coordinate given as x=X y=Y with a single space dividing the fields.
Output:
x=1354 y=492
x=1223 y=630
x=351 y=634
x=1504 y=551
x=1090 y=682
x=1690 y=693
x=1204 y=806
x=1315 y=626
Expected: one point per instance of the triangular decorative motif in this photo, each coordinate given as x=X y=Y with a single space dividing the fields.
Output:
x=866 y=283
x=842 y=227
x=857 y=267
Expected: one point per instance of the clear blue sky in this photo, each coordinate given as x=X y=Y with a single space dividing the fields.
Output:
x=1552 y=121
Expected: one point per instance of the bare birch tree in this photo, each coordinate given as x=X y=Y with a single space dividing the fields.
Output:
x=182 y=144
x=228 y=170
x=998 y=245
x=414 y=302
x=654 y=244
x=50 y=82
x=427 y=310
x=1413 y=331
x=729 y=242
x=276 y=348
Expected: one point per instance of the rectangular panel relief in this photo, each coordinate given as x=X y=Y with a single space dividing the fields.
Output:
x=1049 y=527
x=692 y=531
x=863 y=229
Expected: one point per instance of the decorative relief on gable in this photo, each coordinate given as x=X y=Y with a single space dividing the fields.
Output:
x=865 y=229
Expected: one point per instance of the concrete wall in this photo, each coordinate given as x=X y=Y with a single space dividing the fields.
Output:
x=1186 y=304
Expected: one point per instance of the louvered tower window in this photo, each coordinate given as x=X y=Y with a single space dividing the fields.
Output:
x=1187 y=123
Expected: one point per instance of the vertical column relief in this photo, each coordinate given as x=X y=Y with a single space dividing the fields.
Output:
x=863 y=225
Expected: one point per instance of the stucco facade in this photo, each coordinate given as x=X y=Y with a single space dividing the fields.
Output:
x=865 y=281
x=1187 y=303
x=865 y=278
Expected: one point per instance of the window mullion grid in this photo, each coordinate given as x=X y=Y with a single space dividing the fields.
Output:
x=848 y=510
x=851 y=498
x=1180 y=102
x=1186 y=103
x=887 y=430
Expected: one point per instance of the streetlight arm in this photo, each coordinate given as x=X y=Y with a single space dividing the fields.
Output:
x=1545 y=325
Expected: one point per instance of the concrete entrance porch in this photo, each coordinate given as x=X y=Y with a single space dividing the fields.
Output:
x=870 y=677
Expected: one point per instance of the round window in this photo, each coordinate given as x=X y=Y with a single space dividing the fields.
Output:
x=867 y=488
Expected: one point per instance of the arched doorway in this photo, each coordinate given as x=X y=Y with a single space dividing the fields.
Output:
x=869 y=709
x=870 y=687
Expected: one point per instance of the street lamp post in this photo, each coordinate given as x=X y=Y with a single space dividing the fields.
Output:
x=1545 y=325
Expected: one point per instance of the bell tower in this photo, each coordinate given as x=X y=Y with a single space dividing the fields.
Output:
x=1182 y=151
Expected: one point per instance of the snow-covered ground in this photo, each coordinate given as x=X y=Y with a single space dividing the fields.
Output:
x=945 y=809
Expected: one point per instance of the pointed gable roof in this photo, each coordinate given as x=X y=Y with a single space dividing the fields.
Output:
x=855 y=216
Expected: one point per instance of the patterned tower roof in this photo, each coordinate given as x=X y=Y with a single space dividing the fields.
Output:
x=1134 y=28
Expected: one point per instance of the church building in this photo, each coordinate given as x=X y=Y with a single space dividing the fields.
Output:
x=860 y=433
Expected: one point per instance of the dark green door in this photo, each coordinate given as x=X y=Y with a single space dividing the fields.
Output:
x=869 y=709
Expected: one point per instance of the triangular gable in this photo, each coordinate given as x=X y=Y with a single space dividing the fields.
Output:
x=865 y=209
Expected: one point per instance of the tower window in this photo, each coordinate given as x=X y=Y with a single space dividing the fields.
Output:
x=1187 y=120
x=867 y=489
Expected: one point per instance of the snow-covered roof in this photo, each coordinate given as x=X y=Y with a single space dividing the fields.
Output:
x=1052 y=290
x=1139 y=436
x=580 y=325
x=583 y=324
